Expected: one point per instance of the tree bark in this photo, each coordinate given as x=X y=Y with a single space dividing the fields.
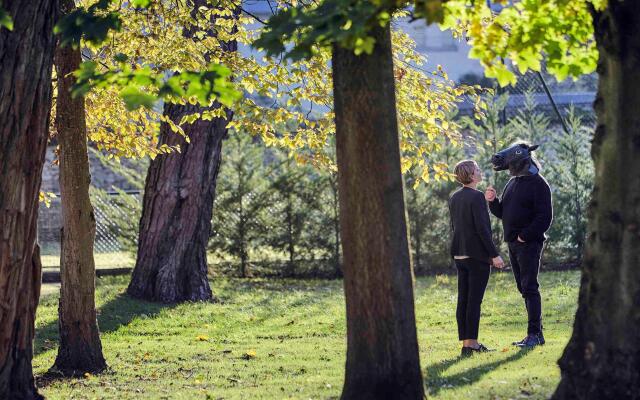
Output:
x=333 y=182
x=176 y=213
x=577 y=220
x=175 y=226
x=382 y=348
x=415 y=226
x=26 y=57
x=290 y=232
x=80 y=349
x=602 y=358
x=244 y=256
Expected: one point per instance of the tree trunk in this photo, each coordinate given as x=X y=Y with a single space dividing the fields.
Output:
x=382 y=348
x=416 y=221
x=26 y=57
x=418 y=245
x=243 y=263
x=290 y=233
x=336 y=228
x=175 y=226
x=80 y=349
x=579 y=230
x=602 y=358
x=243 y=235
x=176 y=213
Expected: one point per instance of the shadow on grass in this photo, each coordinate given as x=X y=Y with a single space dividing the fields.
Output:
x=115 y=313
x=237 y=286
x=436 y=382
x=267 y=296
x=122 y=309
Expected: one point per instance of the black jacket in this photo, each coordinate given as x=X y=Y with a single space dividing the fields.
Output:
x=471 y=226
x=525 y=208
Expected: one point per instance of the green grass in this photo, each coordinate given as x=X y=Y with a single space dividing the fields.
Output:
x=102 y=260
x=126 y=259
x=286 y=339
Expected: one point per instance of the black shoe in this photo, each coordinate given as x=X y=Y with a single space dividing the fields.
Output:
x=468 y=351
x=482 y=349
x=519 y=343
x=532 y=340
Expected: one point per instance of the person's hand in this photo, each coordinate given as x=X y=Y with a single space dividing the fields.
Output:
x=490 y=194
x=520 y=240
x=497 y=262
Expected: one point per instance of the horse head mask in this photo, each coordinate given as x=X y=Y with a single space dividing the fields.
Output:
x=517 y=154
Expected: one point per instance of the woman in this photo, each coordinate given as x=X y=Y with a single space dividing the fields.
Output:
x=473 y=251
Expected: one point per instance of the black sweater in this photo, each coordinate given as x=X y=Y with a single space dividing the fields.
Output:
x=525 y=208
x=471 y=226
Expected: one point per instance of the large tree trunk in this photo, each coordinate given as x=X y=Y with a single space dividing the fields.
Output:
x=602 y=359
x=382 y=347
x=178 y=203
x=176 y=213
x=333 y=182
x=26 y=56
x=80 y=349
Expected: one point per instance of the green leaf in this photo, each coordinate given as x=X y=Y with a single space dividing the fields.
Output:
x=171 y=87
x=503 y=75
x=5 y=19
x=528 y=60
x=121 y=57
x=92 y=24
x=141 y=3
x=135 y=98
x=346 y=23
x=143 y=77
x=431 y=10
x=84 y=74
x=364 y=45
x=525 y=30
x=143 y=87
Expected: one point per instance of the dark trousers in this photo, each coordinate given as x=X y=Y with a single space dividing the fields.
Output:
x=473 y=276
x=525 y=262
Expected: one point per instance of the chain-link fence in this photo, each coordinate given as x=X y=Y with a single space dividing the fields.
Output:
x=273 y=217
x=558 y=116
x=110 y=246
x=550 y=97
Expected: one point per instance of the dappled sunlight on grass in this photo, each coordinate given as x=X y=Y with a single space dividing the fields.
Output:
x=102 y=260
x=286 y=339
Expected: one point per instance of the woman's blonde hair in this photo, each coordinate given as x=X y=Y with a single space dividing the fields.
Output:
x=464 y=171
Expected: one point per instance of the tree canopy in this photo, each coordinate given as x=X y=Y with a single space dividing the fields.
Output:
x=559 y=32
x=287 y=102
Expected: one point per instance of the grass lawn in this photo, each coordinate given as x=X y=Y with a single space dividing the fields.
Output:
x=102 y=260
x=277 y=339
x=125 y=259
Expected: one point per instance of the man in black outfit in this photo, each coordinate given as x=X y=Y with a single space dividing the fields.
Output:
x=526 y=212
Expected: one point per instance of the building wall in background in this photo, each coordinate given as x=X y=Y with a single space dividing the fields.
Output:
x=441 y=48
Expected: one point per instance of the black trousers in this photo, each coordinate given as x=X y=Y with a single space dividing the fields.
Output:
x=525 y=262
x=473 y=276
